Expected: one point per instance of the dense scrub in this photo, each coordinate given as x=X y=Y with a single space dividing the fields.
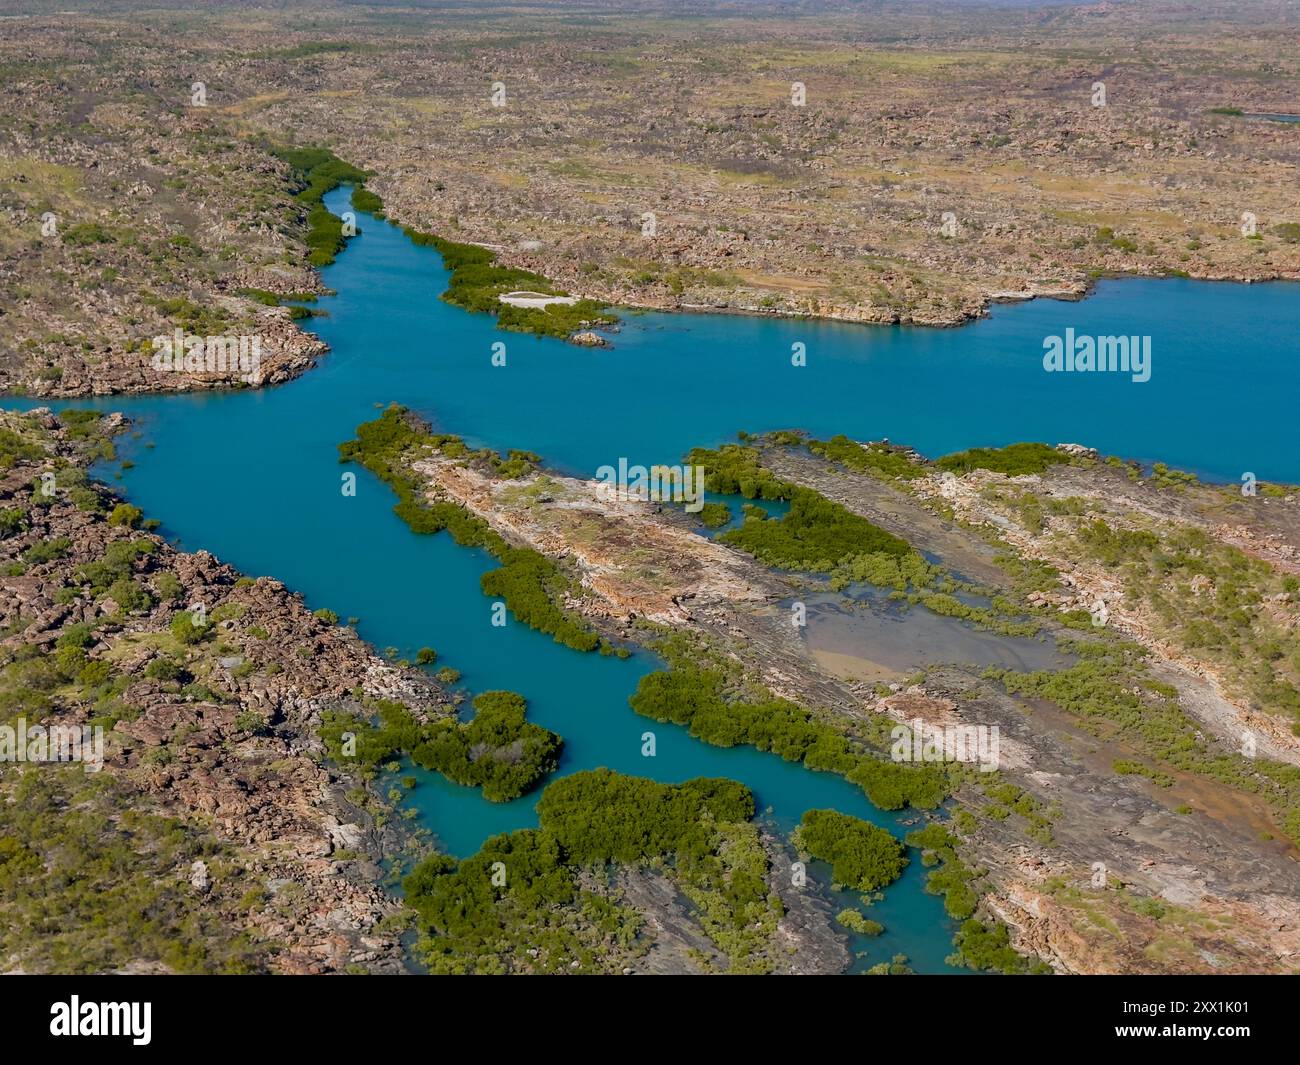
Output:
x=815 y=534
x=496 y=750
x=862 y=856
x=983 y=945
x=949 y=876
x=365 y=200
x=318 y=171
x=604 y=816
x=987 y=946
x=518 y=905
x=820 y=535
x=714 y=515
x=1013 y=460
x=88 y=884
x=477 y=280
x=878 y=459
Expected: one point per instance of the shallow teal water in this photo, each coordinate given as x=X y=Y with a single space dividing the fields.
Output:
x=1220 y=399
x=254 y=478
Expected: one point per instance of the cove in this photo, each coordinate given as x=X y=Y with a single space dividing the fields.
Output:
x=253 y=476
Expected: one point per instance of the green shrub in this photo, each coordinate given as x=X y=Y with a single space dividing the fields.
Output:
x=714 y=515
x=1012 y=460
x=855 y=922
x=163 y=668
x=47 y=551
x=477 y=281
x=528 y=581
x=693 y=696
x=815 y=534
x=129 y=595
x=186 y=631
x=318 y=171
x=877 y=459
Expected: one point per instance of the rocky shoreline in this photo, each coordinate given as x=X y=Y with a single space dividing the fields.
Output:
x=1193 y=864
x=216 y=728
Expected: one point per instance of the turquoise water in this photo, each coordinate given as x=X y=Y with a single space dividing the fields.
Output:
x=1220 y=399
x=773 y=508
x=253 y=476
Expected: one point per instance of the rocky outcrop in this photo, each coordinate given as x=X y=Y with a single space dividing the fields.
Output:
x=676 y=571
x=225 y=737
x=1186 y=860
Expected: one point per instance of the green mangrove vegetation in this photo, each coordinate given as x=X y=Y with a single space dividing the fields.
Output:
x=978 y=944
x=820 y=535
x=862 y=856
x=855 y=922
x=497 y=750
x=478 y=280
x=365 y=200
x=529 y=583
x=949 y=876
x=712 y=696
x=274 y=299
x=1013 y=460
x=102 y=882
x=986 y=946
x=541 y=900
x=896 y=966
x=714 y=515
x=318 y=171
x=815 y=534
